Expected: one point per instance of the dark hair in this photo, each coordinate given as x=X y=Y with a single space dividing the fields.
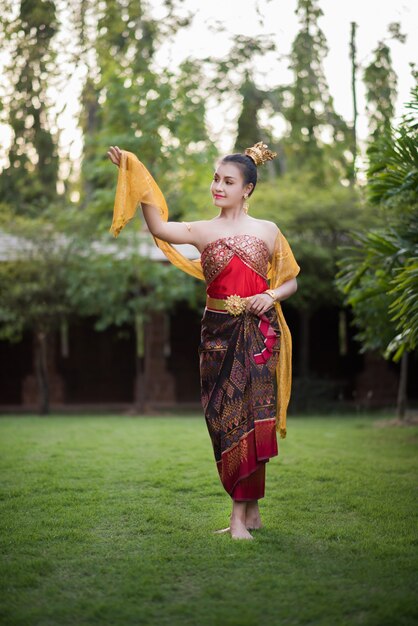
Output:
x=246 y=165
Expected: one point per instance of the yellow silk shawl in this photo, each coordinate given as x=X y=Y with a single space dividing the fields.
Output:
x=135 y=186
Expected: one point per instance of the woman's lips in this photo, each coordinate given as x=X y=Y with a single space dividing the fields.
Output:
x=218 y=196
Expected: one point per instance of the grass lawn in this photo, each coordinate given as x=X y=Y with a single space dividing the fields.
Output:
x=109 y=520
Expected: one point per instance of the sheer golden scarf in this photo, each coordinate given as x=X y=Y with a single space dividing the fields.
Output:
x=135 y=186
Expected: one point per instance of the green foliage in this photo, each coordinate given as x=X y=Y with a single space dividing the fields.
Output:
x=404 y=307
x=233 y=78
x=129 y=100
x=143 y=108
x=56 y=271
x=365 y=280
x=381 y=82
x=33 y=281
x=309 y=108
x=227 y=74
x=316 y=221
x=116 y=284
x=393 y=168
x=249 y=131
x=29 y=181
x=378 y=277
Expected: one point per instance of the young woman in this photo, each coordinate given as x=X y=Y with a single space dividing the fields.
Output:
x=244 y=339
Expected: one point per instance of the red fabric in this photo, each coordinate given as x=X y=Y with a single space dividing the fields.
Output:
x=265 y=439
x=239 y=467
x=236 y=279
x=251 y=488
x=270 y=340
x=242 y=466
x=239 y=279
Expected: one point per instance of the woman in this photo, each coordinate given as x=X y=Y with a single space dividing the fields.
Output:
x=244 y=339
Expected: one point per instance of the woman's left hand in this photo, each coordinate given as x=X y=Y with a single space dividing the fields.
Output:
x=260 y=303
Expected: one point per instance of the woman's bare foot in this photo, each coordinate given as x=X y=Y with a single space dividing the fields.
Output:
x=252 y=516
x=237 y=526
x=238 y=529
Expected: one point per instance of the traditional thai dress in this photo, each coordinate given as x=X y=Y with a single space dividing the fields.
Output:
x=238 y=359
x=239 y=354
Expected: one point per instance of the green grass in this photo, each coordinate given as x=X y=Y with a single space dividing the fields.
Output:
x=109 y=520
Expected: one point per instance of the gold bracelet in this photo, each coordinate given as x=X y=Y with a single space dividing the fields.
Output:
x=271 y=293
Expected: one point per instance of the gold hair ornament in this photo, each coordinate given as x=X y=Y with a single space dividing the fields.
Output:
x=260 y=153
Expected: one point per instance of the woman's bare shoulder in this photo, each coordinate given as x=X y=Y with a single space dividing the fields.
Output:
x=267 y=230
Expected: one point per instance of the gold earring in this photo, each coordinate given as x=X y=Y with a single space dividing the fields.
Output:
x=246 y=206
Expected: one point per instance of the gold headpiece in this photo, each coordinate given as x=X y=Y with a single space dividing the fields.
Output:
x=260 y=153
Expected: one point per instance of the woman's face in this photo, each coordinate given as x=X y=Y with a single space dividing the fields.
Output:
x=228 y=186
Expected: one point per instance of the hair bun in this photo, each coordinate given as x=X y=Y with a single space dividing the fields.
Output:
x=260 y=153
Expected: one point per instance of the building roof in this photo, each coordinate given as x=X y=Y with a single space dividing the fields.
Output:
x=13 y=247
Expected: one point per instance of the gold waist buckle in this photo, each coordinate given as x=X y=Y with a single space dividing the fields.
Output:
x=234 y=305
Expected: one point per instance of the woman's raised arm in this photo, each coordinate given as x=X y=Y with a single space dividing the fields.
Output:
x=172 y=232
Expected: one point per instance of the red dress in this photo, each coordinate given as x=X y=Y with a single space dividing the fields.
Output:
x=238 y=359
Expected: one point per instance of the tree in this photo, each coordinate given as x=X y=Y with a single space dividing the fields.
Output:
x=393 y=182
x=144 y=108
x=379 y=276
x=309 y=109
x=57 y=272
x=29 y=183
x=354 y=67
x=128 y=100
x=232 y=79
x=34 y=288
x=117 y=285
x=380 y=81
x=249 y=130
x=317 y=221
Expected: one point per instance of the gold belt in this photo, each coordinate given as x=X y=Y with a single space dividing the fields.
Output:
x=234 y=305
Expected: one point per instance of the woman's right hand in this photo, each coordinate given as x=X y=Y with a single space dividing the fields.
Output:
x=114 y=155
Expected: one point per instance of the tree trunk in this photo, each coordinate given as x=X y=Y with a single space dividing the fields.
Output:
x=41 y=368
x=91 y=124
x=403 y=381
x=139 y=399
x=353 y=52
x=305 y=319
x=139 y=392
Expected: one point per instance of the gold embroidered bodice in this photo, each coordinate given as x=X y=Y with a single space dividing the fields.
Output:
x=250 y=249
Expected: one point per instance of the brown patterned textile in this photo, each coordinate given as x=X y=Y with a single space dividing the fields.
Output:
x=238 y=394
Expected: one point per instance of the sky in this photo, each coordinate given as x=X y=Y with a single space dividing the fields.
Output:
x=276 y=18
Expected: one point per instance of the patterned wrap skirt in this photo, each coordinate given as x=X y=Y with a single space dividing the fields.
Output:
x=238 y=359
